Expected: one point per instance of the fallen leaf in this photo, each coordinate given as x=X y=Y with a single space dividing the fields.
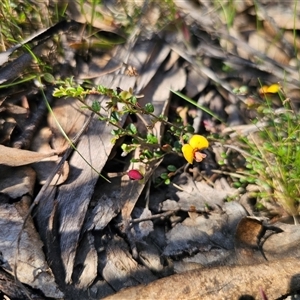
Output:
x=41 y=144
x=18 y=181
x=86 y=263
x=119 y=269
x=70 y=116
x=19 y=157
x=32 y=268
x=85 y=12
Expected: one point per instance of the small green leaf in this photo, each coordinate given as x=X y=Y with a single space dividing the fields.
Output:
x=244 y=89
x=163 y=118
x=58 y=93
x=282 y=151
x=251 y=180
x=116 y=132
x=151 y=138
x=171 y=168
x=164 y=176
x=113 y=140
x=167 y=181
x=115 y=117
x=149 y=108
x=223 y=155
x=189 y=129
x=128 y=148
x=243 y=180
x=131 y=127
x=49 y=78
x=101 y=89
x=133 y=100
x=236 y=184
x=158 y=153
x=177 y=147
x=96 y=106
x=186 y=137
x=148 y=153
x=235 y=90
x=79 y=89
x=135 y=141
x=134 y=160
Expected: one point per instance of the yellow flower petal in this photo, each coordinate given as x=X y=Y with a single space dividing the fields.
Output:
x=188 y=153
x=273 y=88
x=198 y=142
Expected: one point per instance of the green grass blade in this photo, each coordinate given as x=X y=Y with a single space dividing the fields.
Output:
x=197 y=105
x=66 y=136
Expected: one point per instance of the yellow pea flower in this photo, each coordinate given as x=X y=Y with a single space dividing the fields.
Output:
x=272 y=89
x=191 y=149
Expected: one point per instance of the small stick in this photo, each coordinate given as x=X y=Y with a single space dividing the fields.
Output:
x=153 y=217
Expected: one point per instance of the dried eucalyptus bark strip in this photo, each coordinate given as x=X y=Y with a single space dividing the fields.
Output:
x=275 y=279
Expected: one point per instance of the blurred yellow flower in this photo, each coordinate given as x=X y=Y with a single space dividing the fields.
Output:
x=272 y=89
x=191 y=150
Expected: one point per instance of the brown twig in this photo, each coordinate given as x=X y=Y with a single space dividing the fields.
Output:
x=153 y=217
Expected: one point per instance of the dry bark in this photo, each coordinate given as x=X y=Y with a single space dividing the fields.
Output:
x=276 y=279
x=10 y=288
x=31 y=267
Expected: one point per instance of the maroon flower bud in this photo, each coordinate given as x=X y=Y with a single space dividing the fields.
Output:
x=135 y=175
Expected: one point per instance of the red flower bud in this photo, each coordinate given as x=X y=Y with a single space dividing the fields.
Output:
x=135 y=175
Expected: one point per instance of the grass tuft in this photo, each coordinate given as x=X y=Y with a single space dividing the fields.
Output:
x=273 y=160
